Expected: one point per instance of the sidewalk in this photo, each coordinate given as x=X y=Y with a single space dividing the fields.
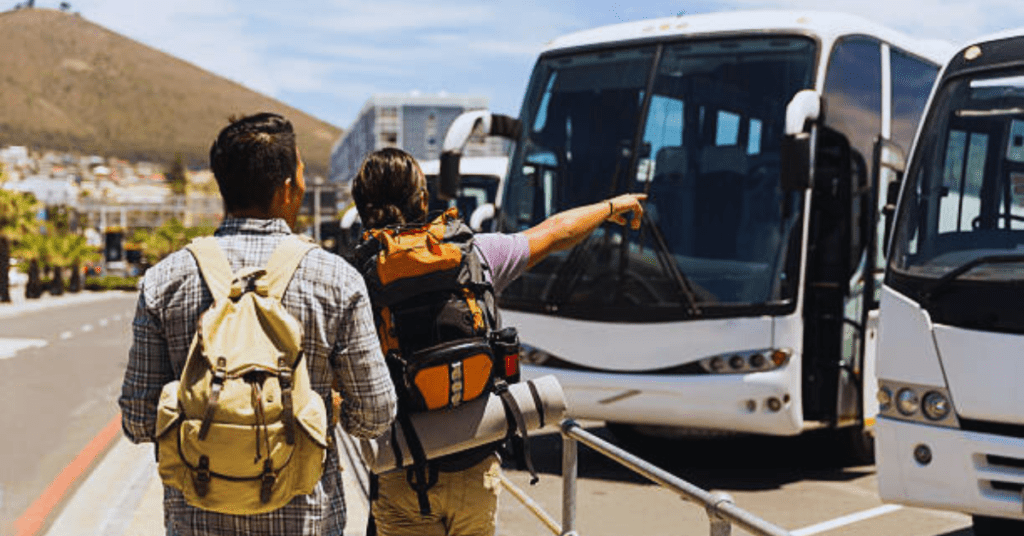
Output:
x=122 y=496
x=19 y=305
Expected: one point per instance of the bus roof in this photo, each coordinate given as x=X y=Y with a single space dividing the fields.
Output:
x=998 y=36
x=825 y=25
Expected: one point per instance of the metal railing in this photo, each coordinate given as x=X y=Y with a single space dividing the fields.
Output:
x=722 y=512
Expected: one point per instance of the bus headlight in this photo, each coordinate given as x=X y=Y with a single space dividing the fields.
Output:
x=746 y=362
x=935 y=406
x=884 y=399
x=924 y=404
x=907 y=402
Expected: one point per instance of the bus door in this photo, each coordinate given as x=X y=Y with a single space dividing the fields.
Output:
x=841 y=203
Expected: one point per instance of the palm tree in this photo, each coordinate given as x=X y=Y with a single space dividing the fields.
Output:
x=76 y=251
x=33 y=250
x=168 y=238
x=17 y=221
x=59 y=259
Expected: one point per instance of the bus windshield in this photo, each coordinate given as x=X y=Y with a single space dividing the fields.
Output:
x=696 y=125
x=963 y=204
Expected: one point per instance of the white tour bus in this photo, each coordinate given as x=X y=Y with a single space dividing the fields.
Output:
x=479 y=192
x=951 y=340
x=744 y=303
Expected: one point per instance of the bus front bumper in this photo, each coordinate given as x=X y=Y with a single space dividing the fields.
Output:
x=969 y=472
x=761 y=403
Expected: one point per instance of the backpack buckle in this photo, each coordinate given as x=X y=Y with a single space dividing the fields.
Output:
x=268 y=478
x=288 y=413
x=202 y=477
x=456 y=383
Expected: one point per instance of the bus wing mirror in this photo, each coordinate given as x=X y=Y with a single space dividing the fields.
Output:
x=891 y=156
x=795 y=152
x=349 y=219
x=482 y=213
x=890 y=164
x=803 y=107
x=465 y=126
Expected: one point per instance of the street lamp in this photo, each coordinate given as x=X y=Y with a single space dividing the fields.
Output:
x=318 y=183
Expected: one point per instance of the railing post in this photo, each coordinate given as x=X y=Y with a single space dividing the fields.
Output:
x=570 y=465
x=720 y=526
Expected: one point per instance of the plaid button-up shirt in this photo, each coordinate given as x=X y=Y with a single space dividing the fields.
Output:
x=329 y=297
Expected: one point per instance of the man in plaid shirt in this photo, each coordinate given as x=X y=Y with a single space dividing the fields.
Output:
x=259 y=172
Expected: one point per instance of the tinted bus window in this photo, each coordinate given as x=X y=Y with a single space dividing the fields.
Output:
x=853 y=91
x=912 y=81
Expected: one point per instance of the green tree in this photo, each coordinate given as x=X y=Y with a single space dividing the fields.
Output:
x=168 y=238
x=34 y=252
x=177 y=175
x=70 y=251
x=17 y=221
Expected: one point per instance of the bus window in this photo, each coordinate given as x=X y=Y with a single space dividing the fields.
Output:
x=853 y=91
x=912 y=81
x=728 y=133
x=664 y=127
x=754 y=138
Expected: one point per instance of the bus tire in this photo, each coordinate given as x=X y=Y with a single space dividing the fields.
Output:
x=856 y=444
x=996 y=526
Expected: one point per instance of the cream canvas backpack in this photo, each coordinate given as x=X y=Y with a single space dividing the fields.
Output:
x=242 y=431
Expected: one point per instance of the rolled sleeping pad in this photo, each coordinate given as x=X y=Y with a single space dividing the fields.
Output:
x=472 y=424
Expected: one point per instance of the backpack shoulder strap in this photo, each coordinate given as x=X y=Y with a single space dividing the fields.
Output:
x=213 y=265
x=283 y=263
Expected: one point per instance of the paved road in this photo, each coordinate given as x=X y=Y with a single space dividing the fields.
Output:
x=61 y=368
x=793 y=482
x=60 y=374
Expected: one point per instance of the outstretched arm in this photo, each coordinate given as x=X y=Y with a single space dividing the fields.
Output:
x=566 y=229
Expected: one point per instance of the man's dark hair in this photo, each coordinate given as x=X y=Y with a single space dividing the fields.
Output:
x=251 y=158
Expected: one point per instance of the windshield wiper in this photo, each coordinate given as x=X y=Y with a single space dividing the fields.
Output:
x=955 y=273
x=685 y=289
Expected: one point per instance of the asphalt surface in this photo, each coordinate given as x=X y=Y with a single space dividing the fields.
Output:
x=60 y=374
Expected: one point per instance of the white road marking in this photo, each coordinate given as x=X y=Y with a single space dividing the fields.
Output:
x=117 y=318
x=846 y=520
x=66 y=335
x=87 y=328
x=10 y=347
x=104 y=322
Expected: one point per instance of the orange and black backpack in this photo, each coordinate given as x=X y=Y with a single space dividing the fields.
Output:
x=438 y=326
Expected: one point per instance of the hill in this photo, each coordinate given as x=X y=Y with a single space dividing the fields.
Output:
x=69 y=84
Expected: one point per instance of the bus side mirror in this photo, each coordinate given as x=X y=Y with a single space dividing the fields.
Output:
x=891 y=162
x=795 y=152
x=349 y=219
x=465 y=126
x=482 y=213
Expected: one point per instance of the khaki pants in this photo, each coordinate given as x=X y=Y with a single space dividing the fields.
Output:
x=463 y=503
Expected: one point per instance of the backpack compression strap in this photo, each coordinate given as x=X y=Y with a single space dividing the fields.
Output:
x=283 y=263
x=213 y=265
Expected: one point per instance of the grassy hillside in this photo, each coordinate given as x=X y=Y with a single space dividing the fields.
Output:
x=67 y=83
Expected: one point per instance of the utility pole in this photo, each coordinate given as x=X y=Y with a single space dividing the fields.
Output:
x=318 y=182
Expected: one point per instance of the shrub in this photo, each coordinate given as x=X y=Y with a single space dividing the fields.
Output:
x=112 y=282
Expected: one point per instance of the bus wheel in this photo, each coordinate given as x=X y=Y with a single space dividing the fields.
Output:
x=857 y=445
x=996 y=526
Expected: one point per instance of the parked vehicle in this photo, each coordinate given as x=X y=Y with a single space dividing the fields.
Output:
x=746 y=302
x=951 y=341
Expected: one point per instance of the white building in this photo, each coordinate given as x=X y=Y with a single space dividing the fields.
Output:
x=414 y=122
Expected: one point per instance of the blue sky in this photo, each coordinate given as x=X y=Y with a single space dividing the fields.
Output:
x=326 y=57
